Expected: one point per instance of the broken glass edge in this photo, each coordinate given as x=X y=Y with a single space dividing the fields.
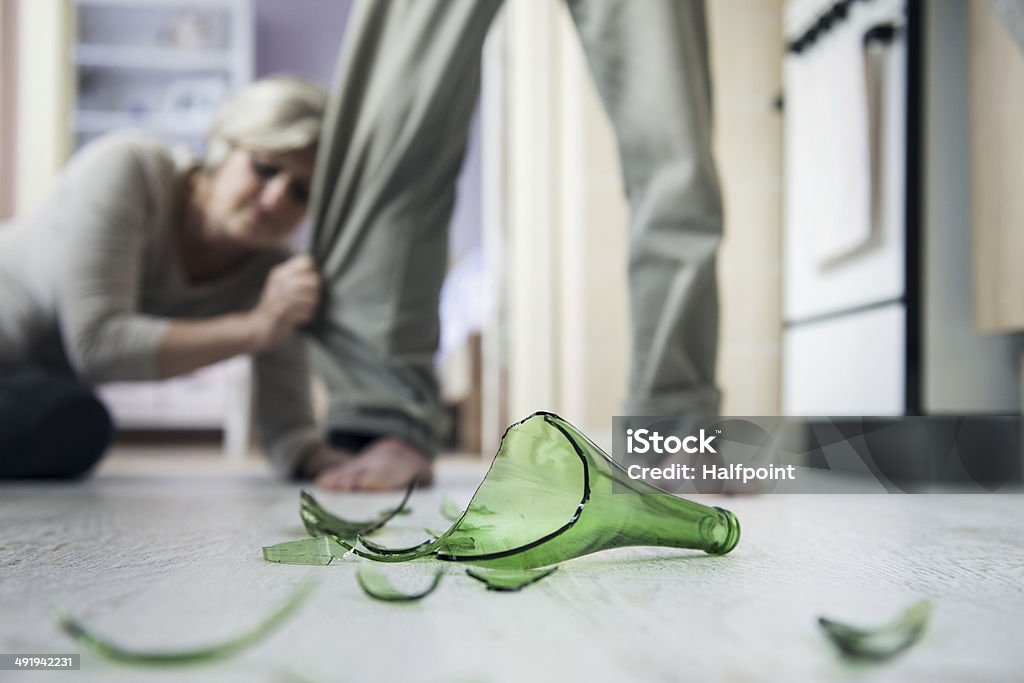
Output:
x=318 y=550
x=304 y=551
x=451 y=557
x=385 y=550
x=881 y=642
x=106 y=649
x=508 y=580
x=318 y=521
x=449 y=510
x=377 y=586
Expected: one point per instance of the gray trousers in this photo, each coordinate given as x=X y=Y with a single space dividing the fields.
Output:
x=395 y=135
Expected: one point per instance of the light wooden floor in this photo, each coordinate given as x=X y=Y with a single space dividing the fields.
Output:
x=162 y=553
x=169 y=459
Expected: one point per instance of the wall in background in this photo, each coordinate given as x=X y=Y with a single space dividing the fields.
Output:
x=44 y=100
x=299 y=37
x=962 y=371
x=466 y=232
x=8 y=108
x=555 y=229
x=746 y=65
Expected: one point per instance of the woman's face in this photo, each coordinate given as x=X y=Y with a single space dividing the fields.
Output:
x=258 y=200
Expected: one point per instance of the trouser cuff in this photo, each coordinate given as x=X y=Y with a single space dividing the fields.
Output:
x=353 y=430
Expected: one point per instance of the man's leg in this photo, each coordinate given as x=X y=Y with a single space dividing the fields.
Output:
x=394 y=138
x=650 y=63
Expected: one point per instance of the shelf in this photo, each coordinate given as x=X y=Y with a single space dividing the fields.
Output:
x=106 y=121
x=163 y=67
x=160 y=4
x=153 y=58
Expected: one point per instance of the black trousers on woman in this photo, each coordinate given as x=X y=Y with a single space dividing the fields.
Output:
x=51 y=425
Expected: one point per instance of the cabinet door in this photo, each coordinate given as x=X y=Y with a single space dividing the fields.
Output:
x=845 y=162
x=849 y=365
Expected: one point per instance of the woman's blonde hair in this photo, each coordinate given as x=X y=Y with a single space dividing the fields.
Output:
x=274 y=115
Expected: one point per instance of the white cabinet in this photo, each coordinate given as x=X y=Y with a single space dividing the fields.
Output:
x=887 y=328
x=164 y=67
x=845 y=237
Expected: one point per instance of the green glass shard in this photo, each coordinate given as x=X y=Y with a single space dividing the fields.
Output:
x=384 y=550
x=884 y=641
x=320 y=550
x=320 y=522
x=449 y=509
x=548 y=497
x=376 y=585
x=106 y=649
x=508 y=580
x=379 y=553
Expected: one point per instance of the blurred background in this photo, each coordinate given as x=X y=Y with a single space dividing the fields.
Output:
x=870 y=156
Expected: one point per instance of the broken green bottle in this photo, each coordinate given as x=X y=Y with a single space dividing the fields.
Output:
x=552 y=495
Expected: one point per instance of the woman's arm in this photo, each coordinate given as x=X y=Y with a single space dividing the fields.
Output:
x=289 y=299
x=192 y=344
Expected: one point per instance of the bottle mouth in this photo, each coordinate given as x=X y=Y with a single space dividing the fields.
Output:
x=732 y=533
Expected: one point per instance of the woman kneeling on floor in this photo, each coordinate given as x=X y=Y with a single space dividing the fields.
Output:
x=145 y=263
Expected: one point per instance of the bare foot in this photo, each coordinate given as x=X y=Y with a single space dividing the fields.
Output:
x=323 y=458
x=384 y=465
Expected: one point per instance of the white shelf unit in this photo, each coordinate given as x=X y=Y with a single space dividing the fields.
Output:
x=155 y=58
x=889 y=329
x=159 y=66
x=100 y=122
x=163 y=67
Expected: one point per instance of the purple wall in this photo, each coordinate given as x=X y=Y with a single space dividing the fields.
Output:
x=302 y=37
x=465 y=233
